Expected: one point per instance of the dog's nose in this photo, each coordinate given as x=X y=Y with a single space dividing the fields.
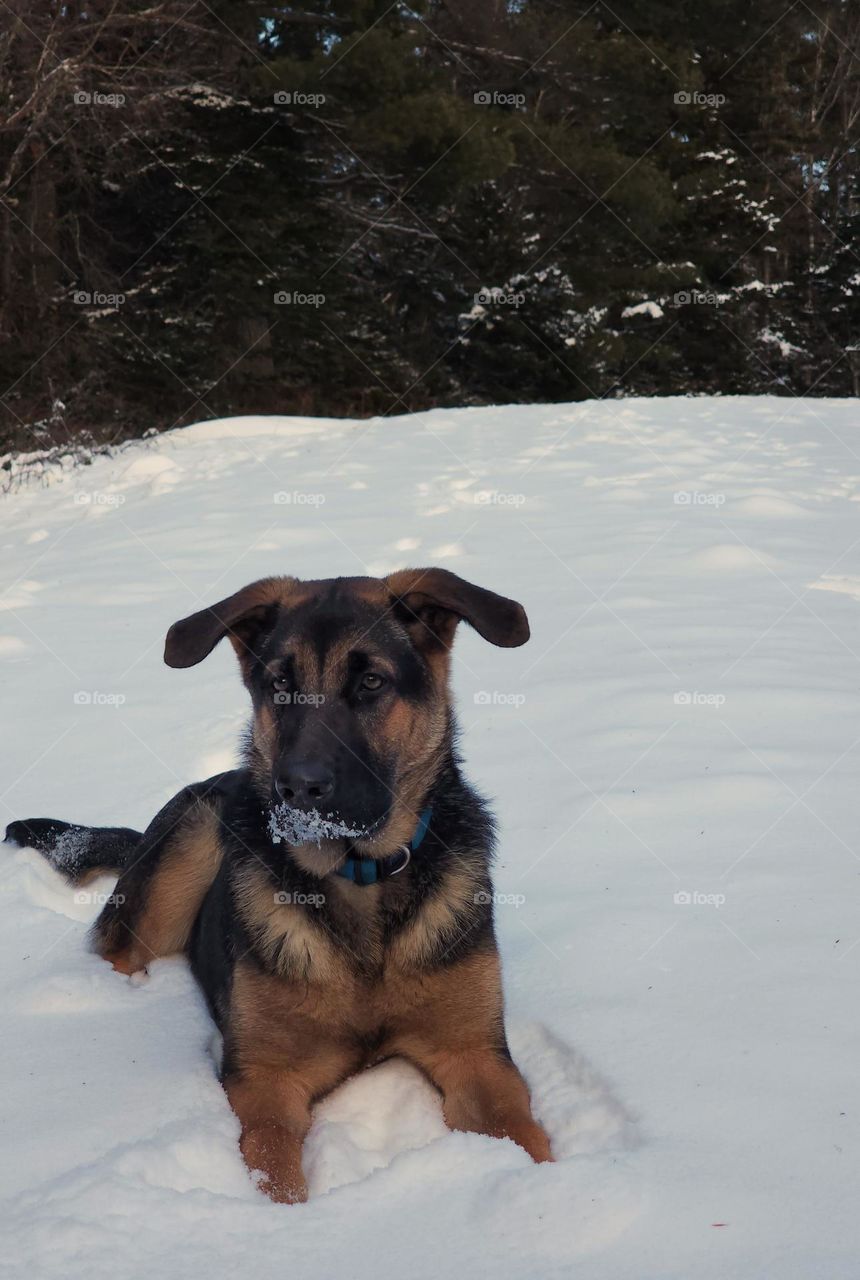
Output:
x=306 y=782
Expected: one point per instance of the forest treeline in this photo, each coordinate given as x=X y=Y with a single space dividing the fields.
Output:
x=354 y=207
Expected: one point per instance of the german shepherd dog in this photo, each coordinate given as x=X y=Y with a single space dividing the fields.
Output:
x=333 y=894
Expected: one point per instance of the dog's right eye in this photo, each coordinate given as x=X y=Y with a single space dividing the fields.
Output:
x=280 y=684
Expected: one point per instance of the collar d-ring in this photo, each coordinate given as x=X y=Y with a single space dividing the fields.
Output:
x=407 y=849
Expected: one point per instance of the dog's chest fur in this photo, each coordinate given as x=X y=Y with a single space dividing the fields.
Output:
x=359 y=1020
x=338 y=933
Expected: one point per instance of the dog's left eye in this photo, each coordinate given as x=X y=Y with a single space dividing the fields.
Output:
x=280 y=684
x=371 y=682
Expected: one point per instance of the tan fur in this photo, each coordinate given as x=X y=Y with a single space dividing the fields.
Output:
x=284 y=1024
x=483 y=1094
x=285 y=932
x=295 y=1041
x=286 y=1058
x=274 y=1110
x=264 y=732
x=414 y=736
x=283 y=591
x=178 y=889
x=446 y=915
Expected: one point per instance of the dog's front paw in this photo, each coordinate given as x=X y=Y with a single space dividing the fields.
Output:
x=273 y=1157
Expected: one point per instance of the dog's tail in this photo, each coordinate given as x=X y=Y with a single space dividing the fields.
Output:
x=78 y=852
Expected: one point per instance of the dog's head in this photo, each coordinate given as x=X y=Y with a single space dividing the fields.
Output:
x=349 y=682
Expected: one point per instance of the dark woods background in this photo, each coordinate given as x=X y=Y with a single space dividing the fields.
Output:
x=227 y=207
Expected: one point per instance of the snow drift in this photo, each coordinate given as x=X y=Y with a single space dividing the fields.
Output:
x=674 y=761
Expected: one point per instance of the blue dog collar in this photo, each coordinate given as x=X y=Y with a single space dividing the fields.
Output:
x=364 y=871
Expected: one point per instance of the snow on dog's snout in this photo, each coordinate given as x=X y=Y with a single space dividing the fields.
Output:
x=309 y=826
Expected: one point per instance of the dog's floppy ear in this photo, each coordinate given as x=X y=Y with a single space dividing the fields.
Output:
x=241 y=616
x=432 y=601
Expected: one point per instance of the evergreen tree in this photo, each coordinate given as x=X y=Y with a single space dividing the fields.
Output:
x=350 y=207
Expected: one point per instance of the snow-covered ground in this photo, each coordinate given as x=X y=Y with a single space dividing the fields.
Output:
x=674 y=757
